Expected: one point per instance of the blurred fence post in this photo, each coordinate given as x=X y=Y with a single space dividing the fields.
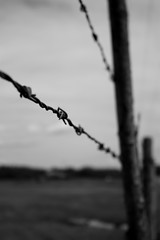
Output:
x=149 y=186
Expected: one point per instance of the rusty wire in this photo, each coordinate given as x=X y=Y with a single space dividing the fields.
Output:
x=26 y=92
x=95 y=37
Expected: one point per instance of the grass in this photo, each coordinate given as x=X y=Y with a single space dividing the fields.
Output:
x=31 y=211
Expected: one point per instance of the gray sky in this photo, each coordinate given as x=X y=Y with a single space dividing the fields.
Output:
x=47 y=45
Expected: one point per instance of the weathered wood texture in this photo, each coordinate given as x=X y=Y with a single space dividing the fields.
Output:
x=133 y=191
x=150 y=186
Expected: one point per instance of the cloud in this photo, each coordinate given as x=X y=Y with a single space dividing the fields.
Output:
x=33 y=128
x=2 y=127
x=1 y=142
x=18 y=144
x=55 y=5
x=58 y=129
x=36 y=3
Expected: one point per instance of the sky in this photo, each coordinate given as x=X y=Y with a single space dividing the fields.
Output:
x=47 y=45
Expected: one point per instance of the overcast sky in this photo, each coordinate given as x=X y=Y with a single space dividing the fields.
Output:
x=47 y=45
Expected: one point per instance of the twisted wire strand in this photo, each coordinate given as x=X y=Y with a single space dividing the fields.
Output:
x=26 y=92
x=95 y=37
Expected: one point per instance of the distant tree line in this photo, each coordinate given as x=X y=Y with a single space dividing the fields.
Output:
x=96 y=173
x=21 y=173
x=27 y=173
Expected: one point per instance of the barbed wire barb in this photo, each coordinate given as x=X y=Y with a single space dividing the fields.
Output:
x=26 y=92
x=95 y=37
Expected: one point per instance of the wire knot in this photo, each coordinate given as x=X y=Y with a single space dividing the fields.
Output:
x=61 y=114
x=101 y=147
x=108 y=150
x=79 y=130
x=95 y=37
x=114 y=155
x=83 y=7
x=26 y=92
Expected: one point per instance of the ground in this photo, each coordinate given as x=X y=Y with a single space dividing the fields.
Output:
x=45 y=210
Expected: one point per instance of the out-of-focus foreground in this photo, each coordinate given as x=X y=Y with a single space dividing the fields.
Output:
x=65 y=209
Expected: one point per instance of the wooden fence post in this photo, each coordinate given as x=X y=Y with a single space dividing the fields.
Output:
x=133 y=189
x=149 y=186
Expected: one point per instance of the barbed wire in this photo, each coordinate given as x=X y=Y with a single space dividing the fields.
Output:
x=26 y=92
x=95 y=37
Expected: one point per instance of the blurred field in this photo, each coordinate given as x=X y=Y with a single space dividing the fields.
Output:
x=30 y=210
